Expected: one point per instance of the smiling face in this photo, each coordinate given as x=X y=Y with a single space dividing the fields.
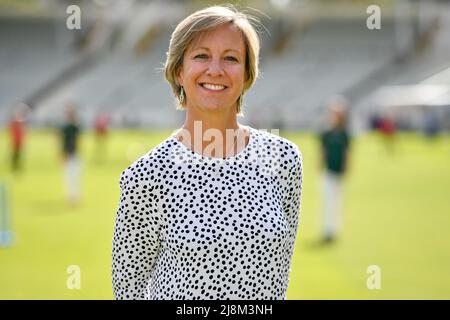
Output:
x=213 y=70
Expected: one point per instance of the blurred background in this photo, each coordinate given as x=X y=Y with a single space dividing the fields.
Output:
x=99 y=81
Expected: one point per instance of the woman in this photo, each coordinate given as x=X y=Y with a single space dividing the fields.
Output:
x=209 y=220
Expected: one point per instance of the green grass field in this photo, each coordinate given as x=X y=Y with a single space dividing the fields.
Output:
x=396 y=216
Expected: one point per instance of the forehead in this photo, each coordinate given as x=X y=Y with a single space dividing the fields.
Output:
x=225 y=37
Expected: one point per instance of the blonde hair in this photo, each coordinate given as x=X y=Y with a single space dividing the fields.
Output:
x=205 y=20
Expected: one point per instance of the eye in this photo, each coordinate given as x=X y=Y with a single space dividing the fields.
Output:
x=201 y=56
x=231 y=58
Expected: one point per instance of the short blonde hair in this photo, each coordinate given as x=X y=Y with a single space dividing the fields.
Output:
x=205 y=20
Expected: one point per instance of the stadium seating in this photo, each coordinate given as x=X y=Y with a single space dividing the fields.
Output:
x=321 y=59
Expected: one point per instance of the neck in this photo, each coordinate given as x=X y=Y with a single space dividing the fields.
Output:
x=215 y=134
x=218 y=119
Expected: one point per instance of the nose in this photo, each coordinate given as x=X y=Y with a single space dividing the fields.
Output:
x=214 y=68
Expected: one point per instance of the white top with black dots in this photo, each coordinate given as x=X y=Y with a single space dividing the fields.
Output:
x=195 y=227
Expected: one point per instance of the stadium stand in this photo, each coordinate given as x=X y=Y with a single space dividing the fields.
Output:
x=300 y=69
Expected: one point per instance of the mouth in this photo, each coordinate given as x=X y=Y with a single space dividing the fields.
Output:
x=212 y=86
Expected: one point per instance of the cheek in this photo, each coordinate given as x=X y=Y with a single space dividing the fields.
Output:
x=186 y=73
x=238 y=75
x=192 y=72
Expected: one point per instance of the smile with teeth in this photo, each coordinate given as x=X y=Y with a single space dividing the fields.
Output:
x=210 y=86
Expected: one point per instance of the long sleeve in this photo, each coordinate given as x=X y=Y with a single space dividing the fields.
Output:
x=292 y=204
x=186 y=230
x=136 y=234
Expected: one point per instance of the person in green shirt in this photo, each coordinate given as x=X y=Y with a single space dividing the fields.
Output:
x=335 y=145
x=70 y=132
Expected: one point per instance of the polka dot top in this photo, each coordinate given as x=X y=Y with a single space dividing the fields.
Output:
x=195 y=227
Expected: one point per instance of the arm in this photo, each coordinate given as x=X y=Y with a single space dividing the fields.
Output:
x=60 y=143
x=347 y=152
x=322 y=151
x=346 y=161
x=136 y=236
x=291 y=206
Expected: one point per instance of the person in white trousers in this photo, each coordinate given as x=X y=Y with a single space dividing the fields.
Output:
x=70 y=145
x=335 y=143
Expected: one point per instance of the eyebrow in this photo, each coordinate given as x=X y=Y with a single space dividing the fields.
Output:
x=207 y=49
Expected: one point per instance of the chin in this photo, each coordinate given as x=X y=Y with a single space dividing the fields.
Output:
x=213 y=106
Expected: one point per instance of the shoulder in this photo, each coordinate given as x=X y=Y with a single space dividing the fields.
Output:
x=281 y=154
x=324 y=134
x=285 y=148
x=145 y=169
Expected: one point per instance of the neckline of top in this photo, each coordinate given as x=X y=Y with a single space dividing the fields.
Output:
x=217 y=159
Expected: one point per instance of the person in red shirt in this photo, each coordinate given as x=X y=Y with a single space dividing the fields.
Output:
x=17 y=135
x=101 y=126
x=387 y=128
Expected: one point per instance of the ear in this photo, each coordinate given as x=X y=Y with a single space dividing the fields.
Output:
x=180 y=77
x=246 y=80
x=246 y=77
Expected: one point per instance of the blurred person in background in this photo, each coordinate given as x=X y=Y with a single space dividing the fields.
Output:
x=101 y=127
x=387 y=128
x=335 y=147
x=374 y=122
x=70 y=133
x=431 y=125
x=17 y=135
